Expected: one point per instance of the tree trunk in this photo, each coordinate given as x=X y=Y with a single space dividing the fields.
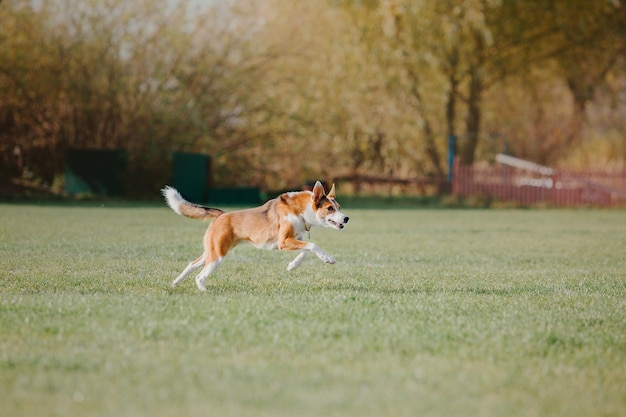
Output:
x=582 y=94
x=472 y=122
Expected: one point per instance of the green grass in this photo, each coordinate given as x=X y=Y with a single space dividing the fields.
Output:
x=427 y=312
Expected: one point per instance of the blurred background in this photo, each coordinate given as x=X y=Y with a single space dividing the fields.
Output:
x=277 y=93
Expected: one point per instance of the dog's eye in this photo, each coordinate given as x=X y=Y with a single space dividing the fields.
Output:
x=331 y=208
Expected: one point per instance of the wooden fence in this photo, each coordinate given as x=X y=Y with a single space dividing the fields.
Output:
x=530 y=184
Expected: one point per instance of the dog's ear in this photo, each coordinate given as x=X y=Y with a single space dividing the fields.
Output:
x=331 y=193
x=318 y=192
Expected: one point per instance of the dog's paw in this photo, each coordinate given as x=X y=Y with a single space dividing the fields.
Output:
x=297 y=261
x=323 y=255
x=201 y=285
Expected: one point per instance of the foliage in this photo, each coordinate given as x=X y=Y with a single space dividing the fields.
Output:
x=429 y=312
x=279 y=92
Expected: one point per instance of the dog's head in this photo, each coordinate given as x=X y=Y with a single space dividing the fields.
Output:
x=327 y=209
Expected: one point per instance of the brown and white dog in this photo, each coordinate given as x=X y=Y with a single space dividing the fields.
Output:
x=280 y=223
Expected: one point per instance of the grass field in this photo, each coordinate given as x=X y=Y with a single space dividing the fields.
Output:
x=426 y=313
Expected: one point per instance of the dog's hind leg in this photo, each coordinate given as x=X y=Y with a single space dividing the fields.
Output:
x=217 y=242
x=297 y=261
x=192 y=265
x=206 y=271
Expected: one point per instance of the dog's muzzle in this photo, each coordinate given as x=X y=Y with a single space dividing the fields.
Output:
x=337 y=224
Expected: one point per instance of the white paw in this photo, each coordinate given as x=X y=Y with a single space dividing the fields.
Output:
x=328 y=259
x=297 y=261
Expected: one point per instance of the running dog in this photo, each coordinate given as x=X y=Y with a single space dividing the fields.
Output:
x=280 y=223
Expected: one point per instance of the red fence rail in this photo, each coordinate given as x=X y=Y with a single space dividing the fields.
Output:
x=529 y=187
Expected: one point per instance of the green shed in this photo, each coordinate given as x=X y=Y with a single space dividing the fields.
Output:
x=191 y=175
x=95 y=171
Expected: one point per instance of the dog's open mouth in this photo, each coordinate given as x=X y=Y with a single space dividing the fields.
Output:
x=335 y=224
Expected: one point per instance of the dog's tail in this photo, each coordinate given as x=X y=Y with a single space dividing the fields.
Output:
x=187 y=209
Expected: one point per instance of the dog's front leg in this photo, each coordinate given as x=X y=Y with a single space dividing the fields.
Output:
x=297 y=262
x=320 y=253
x=295 y=244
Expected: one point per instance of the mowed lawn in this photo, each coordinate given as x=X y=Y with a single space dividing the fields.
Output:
x=425 y=313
